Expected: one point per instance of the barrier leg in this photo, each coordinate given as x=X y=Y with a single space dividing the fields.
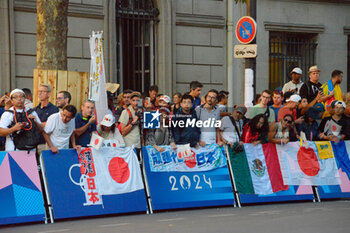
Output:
x=46 y=189
x=148 y=196
x=235 y=192
x=316 y=194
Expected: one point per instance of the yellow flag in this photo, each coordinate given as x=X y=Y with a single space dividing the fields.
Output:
x=325 y=150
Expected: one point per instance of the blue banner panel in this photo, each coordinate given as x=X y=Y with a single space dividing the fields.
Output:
x=172 y=190
x=294 y=193
x=341 y=153
x=66 y=188
x=21 y=198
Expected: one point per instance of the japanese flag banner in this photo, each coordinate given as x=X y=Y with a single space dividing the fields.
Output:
x=117 y=170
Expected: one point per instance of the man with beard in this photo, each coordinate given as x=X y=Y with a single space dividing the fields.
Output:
x=209 y=111
x=332 y=90
x=63 y=98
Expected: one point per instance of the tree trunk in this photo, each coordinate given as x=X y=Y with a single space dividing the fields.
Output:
x=51 y=34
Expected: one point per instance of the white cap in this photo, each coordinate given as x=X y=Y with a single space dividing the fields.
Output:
x=297 y=70
x=335 y=103
x=165 y=98
x=108 y=120
x=16 y=91
x=294 y=98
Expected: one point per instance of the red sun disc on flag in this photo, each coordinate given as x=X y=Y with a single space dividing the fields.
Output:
x=119 y=170
x=97 y=141
x=308 y=161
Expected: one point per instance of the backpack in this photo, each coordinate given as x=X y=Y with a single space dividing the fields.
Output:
x=27 y=138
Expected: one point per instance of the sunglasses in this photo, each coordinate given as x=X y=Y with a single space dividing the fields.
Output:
x=288 y=121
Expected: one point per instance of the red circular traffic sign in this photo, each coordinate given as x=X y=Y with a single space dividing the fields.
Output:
x=246 y=29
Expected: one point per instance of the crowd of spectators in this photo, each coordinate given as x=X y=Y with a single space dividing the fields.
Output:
x=322 y=112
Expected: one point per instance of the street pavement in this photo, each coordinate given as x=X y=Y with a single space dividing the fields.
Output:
x=306 y=217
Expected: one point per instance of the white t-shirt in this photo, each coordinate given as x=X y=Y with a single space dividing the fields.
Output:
x=5 y=122
x=59 y=132
x=208 y=134
x=111 y=138
x=229 y=132
x=289 y=86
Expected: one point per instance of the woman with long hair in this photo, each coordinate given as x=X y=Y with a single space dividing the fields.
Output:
x=256 y=130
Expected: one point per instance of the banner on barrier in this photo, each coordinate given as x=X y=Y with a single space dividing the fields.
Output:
x=303 y=166
x=256 y=169
x=175 y=184
x=100 y=182
x=342 y=156
x=202 y=159
x=21 y=198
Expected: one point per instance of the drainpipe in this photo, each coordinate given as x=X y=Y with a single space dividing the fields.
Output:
x=229 y=52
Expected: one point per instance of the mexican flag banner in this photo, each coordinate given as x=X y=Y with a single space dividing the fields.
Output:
x=257 y=170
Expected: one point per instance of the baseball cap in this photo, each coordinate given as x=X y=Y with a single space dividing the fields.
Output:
x=165 y=98
x=135 y=93
x=16 y=91
x=108 y=120
x=337 y=102
x=294 y=98
x=241 y=109
x=297 y=70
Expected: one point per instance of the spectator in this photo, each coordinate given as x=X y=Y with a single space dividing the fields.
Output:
x=20 y=125
x=283 y=131
x=222 y=102
x=295 y=84
x=208 y=111
x=109 y=131
x=45 y=107
x=130 y=124
x=153 y=92
x=310 y=125
x=333 y=128
x=290 y=108
x=332 y=90
x=164 y=101
x=232 y=126
x=124 y=104
x=28 y=102
x=311 y=90
x=277 y=98
x=59 y=129
x=156 y=103
x=191 y=133
x=110 y=103
x=161 y=136
x=176 y=105
x=263 y=108
x=63 y=99
x=195 y=92
x=85 y=123
x=256 y=131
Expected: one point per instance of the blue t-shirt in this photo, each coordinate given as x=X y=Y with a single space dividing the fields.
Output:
x=196 y=102
x=276 y=111
x=83 y=139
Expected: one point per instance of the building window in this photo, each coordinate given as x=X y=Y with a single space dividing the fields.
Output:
x=136 y=43
x=289 y=50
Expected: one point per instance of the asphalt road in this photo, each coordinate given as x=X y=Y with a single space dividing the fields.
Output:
x=307 y=217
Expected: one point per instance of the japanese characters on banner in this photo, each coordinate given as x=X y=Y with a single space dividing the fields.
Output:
x=97 y=85
x=88 y=177
x=202 y=159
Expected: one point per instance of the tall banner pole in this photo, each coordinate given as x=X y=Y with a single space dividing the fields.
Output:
x=235 y=192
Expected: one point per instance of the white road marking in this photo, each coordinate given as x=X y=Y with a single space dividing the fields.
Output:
x=221 y=215
x=53 y=231
x=170 y=219
x=265 y=213
x=115 y=225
